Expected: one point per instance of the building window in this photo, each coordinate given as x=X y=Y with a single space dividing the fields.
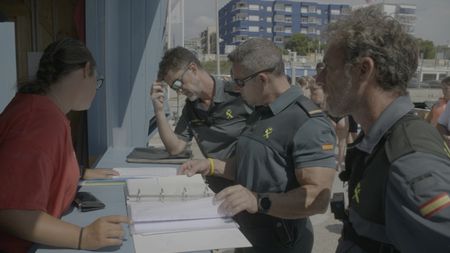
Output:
x=319 y=11
x=311 y=30
x=253 y=7
x=279 y=18
x=303 y=31
x=253 y=28
x=335 y=12
x=253 y=18
x=269 y=19
x=304 y=20
x=269 y=8
x=279 y=29
x=279 y=7
x=269 y=29
x=241 y=6
x=304 y=10
x=311 y=20
x=288 y=19
x=288 y=8
x=288 y=29
x=318 y=32
x=312 y=9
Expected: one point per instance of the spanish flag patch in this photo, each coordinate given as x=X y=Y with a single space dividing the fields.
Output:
x=327 y=147
x=434 y=205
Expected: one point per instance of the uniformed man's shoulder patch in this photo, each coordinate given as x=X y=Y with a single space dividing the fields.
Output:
x=434 y=205
x=411 y=134
x=309 y=107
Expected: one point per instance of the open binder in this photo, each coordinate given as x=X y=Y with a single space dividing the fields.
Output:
x=157 y=155
x=163 y=208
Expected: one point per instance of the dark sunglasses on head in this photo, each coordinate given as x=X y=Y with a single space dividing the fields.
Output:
x=241 y=82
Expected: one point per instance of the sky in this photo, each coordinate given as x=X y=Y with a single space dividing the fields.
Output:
x=433 y=16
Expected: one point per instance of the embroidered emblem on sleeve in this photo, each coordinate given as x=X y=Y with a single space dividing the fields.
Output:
x=267 y=133
x=229 y=114
x=434 y=205
x=327 y=147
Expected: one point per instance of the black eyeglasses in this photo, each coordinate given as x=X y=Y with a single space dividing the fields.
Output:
x=177 y=84
x=241 y=82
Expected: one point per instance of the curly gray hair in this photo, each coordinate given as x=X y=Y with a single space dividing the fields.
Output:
x=368 y=32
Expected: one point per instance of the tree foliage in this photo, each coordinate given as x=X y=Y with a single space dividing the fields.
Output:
x=426 y=48
x=302 y=44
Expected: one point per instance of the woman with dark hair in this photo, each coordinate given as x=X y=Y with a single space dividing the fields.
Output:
x=39 y=172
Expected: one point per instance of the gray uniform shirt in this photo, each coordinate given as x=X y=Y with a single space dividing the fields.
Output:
x=417 y=203
x=261 y=168
x=216 y=129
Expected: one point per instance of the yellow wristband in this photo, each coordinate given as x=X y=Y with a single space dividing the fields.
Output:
x=211 y=166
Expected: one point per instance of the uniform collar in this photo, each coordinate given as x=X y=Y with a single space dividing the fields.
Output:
x=219 y=86
x=284 y=100
x=396 y=110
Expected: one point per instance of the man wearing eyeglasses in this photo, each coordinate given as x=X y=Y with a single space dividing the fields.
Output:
x=214 y=113
x=284 y=162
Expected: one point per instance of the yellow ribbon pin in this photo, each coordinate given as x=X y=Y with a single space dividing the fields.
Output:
x=267 y=133
x=229 y=114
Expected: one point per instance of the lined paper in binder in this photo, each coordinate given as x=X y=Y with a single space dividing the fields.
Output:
x=180 y=208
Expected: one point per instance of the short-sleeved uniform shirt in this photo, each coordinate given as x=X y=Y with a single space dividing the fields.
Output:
x=417 y=202
x=216 y=129
x=444 y=118
x=39 y=169
x=261 y=167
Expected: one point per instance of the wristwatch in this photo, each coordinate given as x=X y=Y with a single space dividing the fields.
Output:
x=264 y=203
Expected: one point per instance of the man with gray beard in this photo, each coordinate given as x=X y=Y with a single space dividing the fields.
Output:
x=398 y=170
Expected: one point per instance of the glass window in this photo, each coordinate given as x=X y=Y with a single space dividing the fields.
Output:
x=269 y=29
x=253 y=18
x=253 y=28
x=335 y=12
x=269 y=8
x=269 y=19
x=254 y=7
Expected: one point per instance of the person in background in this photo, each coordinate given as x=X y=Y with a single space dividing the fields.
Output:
x=340 y=124
x=39 y=171
x=398 y=169
x=284 y=161
x=439 y=107
x=214 y=113
x=304 y=82
x=443 y=123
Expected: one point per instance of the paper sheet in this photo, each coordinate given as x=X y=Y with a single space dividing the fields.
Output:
x=183 y=225
x=150 y=211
